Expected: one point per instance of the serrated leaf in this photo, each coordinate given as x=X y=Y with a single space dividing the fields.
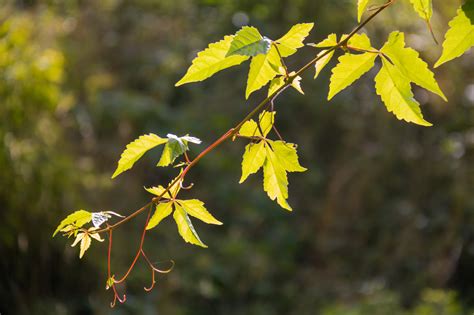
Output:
x=275 y=181
x=253 y=159
x=287 y=156
x=424 y=8
x=460 y=36
x=249 y=42
x=162 y=210
x=407 y=60
x=85 y=238
x=321 y=63
x=263 y=68
x=172 y=150
x=266 y=120
x=289 y=43
x=296 y=84
x=135 y=150
x=361 y=6
x=250 y=129
x=195 y=208
x=185 y=227
x=210 y=61
x=395 y=90
x=350 y=68
x=77 y=218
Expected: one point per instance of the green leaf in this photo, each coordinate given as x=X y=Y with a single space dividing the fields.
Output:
x=424 y=8
x=407 y=60
x=287 y=156
x=350 y=68
x=361 y=6
x=162 y=210
x=275 y=181
x=196 y=208
x=158 y=191
x=77 y=218
x=266 y=120
x=291 y=41
x=460 y=36
x=331 y=40
x=248 y=42
x=185 y=227
x=253 y=159
x=172 y=150
x=251 y=129
x=135 y=150
x=210 y=61
x=395 y=91
x=321 y=63
x=263 y=68
x=360 y=41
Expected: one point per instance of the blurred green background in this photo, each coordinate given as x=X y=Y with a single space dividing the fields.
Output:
x=382 y=221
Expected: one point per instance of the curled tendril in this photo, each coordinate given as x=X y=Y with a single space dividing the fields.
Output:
x=117 y=297
x=186 y=187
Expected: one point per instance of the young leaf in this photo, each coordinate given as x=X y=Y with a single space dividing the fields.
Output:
x=275 y=84
x=287 y=155
x=460 y=36
x=158 y=191
x=196 y=208
x=210 y=61
x=424 y=8
x=407 y=60
x=162 y=210
x=77 y=218
x=361 y=6
x=185 y=227
x=350 y=68
x=135 y=150
x=359 y=41
x=291 y=41
x=395 y=91
x=251 y=129
x=248 y=42
x=174 y=148
x=275 y=181
x=263 y=68
x=85 y=239
x=331 y=40
x=253 y=159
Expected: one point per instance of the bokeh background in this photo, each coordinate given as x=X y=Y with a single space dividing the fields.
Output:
x=382 y=221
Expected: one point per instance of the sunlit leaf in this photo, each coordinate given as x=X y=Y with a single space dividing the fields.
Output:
x=350 y=68
x=135 y=150
x=77 y=219
x=162 y=210
x=424 y=8
x=287 y=156
x=253 y=159
x=361 y=6
x=195 y=208
x=360 y=41
x=249 y=42
x=275 y=84
x=185 y=227
x=395 y=90
x=289 y=43
x=210 y=61
x=407 y=60
x=275 y=181
x=263 y=68
x=460 y=36
x=331 y=40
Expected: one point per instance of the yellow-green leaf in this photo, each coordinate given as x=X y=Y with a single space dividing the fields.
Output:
x=248 y=42
x=253 y=159
x=275 y=84
x=424 y=8
x=275 y=181
x=266 y=120
x=159 y=191
x=185 y=227
x=263 y=68
x=361 y=6
x=162 y=210
x=360 y=41
x=395 y=91
x=460 y=36
x=210 y=61
x=350 y=68
x=321 y=63
x=250 y=129
x=287 y=156
x=135 y=150
x=329 y=41
x=291 y=41
x=407 y=60
x=195 y=208
x=77 y=218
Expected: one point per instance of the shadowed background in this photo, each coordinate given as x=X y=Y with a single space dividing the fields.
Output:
x=382 y=220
